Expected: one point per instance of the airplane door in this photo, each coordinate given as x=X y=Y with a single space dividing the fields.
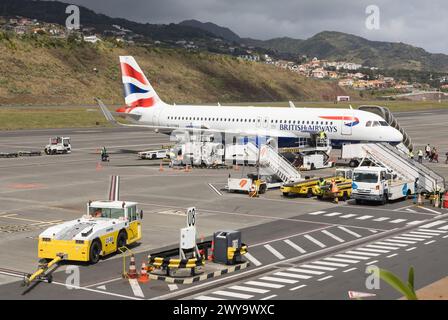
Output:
x=347 y=125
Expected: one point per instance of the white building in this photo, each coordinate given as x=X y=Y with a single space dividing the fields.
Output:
x=91 y=39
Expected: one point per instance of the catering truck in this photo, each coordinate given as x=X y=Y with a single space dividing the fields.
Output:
x=379 y=184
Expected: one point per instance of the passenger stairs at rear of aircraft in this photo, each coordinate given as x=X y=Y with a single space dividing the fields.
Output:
x=279 y=165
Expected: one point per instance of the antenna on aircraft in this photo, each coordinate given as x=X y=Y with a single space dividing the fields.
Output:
x=291 y=104
x=350 y=107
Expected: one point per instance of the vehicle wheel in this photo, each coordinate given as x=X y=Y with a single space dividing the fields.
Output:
x=358 y=201
x=46 y=152
x=384 y=200
x=313 y=167
x=263 y=189
x=320 y=197
x=153 y=157
x=121 y=239
x=53 y=151
x=353 y=163
x=95 y=250
x=309 y=193
x=285 y=194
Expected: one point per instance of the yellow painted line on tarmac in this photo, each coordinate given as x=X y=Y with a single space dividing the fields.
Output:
x=12 y=216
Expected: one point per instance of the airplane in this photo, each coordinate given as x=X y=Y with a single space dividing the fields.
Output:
x=145 y=109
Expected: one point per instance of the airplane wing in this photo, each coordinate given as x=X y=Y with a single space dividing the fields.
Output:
x=259 y=132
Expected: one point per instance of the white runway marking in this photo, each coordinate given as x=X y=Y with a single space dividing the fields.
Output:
x=281 y=280
x=350 y=215
x=423 y=233
x=350 y=232
x=410 y=249
x=381 y=247
x=409 y=238
x=328 y=233
x=369 y=254
x=352 y=256
x=364 y=217
x=381 y=219
x=252 y=259
x=274 y=252
x=341 y=260
x=292 y=275
x=298 y=287
x=398 y=221
x=265 y=284
x=415 y=222
x=429 y=242
x=373 y=250
x=430 y=210
x=432 y=231
x=207 y=298
x=444 y=227
x=371 y=262
x=331 y=264
x=333 y=214
x=310 y=266
x=103 y=287
x=214 y=189
x=348 y=270
x=392 y=255
x=136 y=289
x=249 y=289
x=315 y=241
x=318 y=273
x=173 y=287
x=292 y=244
x=233 y=294
x=412 y=235
x=268 y=298
x=432 y=224
x=316 y=213
x=325 y=278
x=391 y=244
x=401 y=241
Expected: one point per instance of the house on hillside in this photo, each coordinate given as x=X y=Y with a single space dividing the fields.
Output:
x=319 y=73
x=91 y=39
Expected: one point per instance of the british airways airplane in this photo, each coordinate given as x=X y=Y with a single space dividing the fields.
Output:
x=146 y=109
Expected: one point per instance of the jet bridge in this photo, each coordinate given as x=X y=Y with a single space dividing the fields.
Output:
x=385 y=113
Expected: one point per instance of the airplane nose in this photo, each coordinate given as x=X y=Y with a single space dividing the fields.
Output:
x=398 y=136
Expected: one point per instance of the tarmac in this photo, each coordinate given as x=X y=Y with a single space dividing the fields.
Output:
x=282 y=233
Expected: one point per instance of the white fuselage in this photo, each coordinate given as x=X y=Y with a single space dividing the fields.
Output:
x=288 y=124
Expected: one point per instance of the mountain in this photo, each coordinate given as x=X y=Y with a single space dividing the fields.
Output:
x=331 y=45
x=54 y=12
x=219 y=31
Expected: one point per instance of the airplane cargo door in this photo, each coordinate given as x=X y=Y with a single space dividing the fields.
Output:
x=347 y=125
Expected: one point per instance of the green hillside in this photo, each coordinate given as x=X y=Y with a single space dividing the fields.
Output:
x=47 y=71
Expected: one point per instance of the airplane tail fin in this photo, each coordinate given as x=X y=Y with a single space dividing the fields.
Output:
x=137 y=89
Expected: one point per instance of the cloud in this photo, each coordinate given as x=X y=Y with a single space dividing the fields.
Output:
x=415 y=22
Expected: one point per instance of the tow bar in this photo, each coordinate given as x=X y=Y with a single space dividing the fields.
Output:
x=41 y=273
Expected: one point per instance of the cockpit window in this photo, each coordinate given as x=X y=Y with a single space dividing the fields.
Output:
x=376 y=124
x=384 y=123
x=369 y=124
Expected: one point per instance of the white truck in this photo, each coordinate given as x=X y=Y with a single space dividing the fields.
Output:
x=377 y=184
x=58 y=145
x=153 y=154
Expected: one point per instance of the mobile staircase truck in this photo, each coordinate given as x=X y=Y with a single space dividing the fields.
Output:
x=391 y=174
x=274 y=171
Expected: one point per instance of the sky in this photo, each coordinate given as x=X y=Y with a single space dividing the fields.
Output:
x=416 y=22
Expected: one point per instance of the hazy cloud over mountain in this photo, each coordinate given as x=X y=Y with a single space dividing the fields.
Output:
x=420 y=23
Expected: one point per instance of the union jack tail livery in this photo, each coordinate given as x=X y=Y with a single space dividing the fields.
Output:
x=137 y=90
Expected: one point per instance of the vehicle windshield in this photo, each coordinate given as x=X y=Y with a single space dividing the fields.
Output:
x=365 y=177
x=106 y=213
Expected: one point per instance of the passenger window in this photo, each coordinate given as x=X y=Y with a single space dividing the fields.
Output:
x=369 y=124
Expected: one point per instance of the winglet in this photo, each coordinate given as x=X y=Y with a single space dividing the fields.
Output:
x=291 y=104
x=109 y=117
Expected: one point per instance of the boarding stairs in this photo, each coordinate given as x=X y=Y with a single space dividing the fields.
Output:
x=385 y=113
x=385 y=155
x=281 y=167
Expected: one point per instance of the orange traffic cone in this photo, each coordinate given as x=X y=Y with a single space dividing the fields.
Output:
x=144 y=277
x=212 y=250
x=132 y=274
x=161 y=166
x=99 y=166
x=187 y=168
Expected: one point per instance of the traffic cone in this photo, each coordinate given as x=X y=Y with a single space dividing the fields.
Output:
x=144 y=277
x=132 y=273
x=99 y=166
x=161 y=167
x=212 y=250
x=187 y=169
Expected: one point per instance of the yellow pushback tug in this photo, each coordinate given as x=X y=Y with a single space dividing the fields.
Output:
x=106 y=227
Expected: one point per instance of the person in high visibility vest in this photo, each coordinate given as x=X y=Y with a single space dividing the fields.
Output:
x=420 y=156
x=321 y=184
x=411 y=155
x=334 y=190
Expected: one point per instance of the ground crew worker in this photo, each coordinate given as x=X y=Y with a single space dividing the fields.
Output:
x=334 y=190
x=411 y=154
x=428 y=151
x=321 y=184
x=420 y=156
